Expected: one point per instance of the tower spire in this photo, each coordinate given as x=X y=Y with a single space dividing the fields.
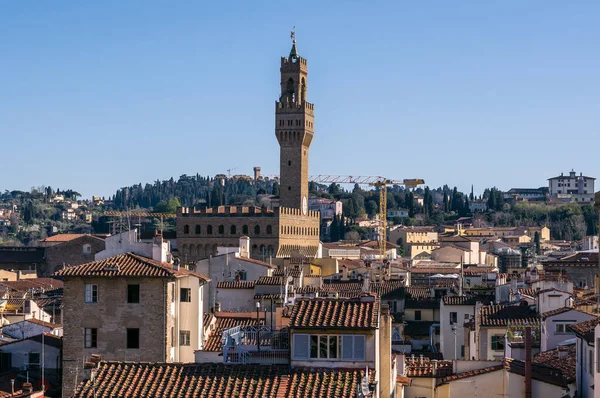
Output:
x=293 y=52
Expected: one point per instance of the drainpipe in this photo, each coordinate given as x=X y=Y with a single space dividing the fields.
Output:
x=528 y=361
x=431 y=333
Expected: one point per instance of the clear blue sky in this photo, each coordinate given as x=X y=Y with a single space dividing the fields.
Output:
x=100 y=95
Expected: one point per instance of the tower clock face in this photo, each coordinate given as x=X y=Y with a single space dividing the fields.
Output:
x=304 y=205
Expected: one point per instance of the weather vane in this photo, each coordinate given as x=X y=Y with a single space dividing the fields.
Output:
x=293 y=35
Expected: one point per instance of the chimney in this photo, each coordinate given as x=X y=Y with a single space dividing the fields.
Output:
x=28 y=387
x=344 y=273
x=435 y=366
x=563 y=351
x=421 y=359
x=528 y=361
x=217 y=307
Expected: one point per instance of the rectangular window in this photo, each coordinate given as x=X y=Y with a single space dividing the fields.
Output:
x=185 y=295
x=498 y=342
x=417 y=315
x=91 y=337
x=301 y=346
x=91 y=293
x=133 y=338
x=453 y=317
x=184 y=337
x=591 y=362
x=133 y=294
x=324 y=347
x=172 y=292
x=462 y=351
x=353 y=347
x=34 y=360
x=561 y=328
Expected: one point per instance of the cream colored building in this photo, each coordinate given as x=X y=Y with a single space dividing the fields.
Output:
x=414 y=240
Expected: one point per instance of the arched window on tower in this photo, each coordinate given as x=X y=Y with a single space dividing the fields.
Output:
x=186 y=229
x=290 y=91
x=233 y=230
x=303 y=90
x=221 y=229
x=209 y=230
x=269 y=230
x=257 y=230
x=197 y=229
x=245 y=229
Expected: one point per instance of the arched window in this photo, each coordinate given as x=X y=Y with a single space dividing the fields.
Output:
x=269 y=230
x=290 y=89
x=303 y=90
x=257 y=230
x=186 y=229
x=263 y=250
x=209 y=230
x=233 y=230
x=221 y=230
x=197 y=229
x=245 y=229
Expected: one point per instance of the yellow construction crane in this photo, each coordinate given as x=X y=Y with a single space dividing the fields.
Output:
x=381 y=184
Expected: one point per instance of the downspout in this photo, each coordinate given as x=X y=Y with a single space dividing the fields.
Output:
x=166 y=331
x=431 y=333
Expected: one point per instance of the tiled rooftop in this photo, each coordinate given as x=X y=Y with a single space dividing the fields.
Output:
x=417 y=367
x=561 y=358
x=324 y=383
x=170 y=380
x=269 y=280
x=465 y=300
x=585 y=329
x=35 y=284
x=225 y=321
x=541 y=372
x=62 y=238
x=330 y=313
x=235 y=285
x=126 y=265
x=505 y=315
x=557 y=311
x=471 y=373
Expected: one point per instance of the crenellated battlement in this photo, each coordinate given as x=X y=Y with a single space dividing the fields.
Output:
x=304 y=107
x=224 y=211
x=288 y=65
x=286 y=211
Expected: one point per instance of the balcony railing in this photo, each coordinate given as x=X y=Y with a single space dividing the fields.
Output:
x=255 y=344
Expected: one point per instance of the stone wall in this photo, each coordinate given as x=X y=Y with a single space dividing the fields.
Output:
x=70 y=253
x=111 y=316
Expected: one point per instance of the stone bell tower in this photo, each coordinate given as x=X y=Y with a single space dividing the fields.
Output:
x=294 y=128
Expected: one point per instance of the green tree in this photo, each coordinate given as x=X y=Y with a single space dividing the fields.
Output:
x=275 y=190
x=173 y=204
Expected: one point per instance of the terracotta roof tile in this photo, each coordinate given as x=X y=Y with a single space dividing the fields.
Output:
x=466 y=300
x=225 y=321
x=295 y=273
x=561 y=358
x=326 y=313
x=539 y=372
x=471 y=373
x=170 y=380
x=62 y=237
x=557 y=311
x=269 y=280
x=35 y=285
x=126 y=265
x=417 y=367
x=505 y=315
x=325 y=383
x=585 y=329
x=235 y=285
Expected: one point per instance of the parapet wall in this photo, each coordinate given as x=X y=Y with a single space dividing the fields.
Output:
x=286 y=211
x=223 y=211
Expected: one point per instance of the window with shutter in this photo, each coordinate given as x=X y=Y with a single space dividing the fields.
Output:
x=359 y=348
x=301 y=346
x=347 y=347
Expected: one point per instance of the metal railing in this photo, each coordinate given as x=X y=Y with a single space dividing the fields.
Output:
x=255 y=344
